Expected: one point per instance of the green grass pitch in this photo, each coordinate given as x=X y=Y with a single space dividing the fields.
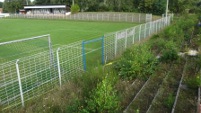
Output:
x=61 y=31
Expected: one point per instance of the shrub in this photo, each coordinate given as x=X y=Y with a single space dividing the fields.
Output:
x=194 y=82
x=75 y=9
x=170 y=52
x=103 y=99
x=169 y=101
x=136 y=62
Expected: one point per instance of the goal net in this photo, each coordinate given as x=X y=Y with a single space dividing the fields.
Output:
x=17 y=49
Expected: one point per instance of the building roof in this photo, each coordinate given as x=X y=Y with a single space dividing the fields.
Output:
x=44 y=6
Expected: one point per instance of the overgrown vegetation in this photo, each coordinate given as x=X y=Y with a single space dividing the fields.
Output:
x=134 y=62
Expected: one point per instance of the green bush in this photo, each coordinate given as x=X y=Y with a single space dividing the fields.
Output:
x=137 y=62
x=103 y=99
x=170 y=52
x=194 y=82
x=169 y=101
x=75 y=9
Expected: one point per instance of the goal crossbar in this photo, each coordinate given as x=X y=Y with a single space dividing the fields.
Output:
x=22 y=40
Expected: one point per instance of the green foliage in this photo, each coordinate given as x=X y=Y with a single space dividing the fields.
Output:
x=75 y=9
x=1 y=4
x=194 y=82
x=170 y=52
x=74 y=107
x=169 y=101
x=136 y=62
x=103 y=99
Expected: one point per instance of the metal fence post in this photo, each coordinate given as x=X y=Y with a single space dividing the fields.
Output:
x=134 y=35
x=103 y=52
x=58 y=66
x=150 y=27
x=126 y=17
x=20 y=83
x=159 y=24
x=115 y=46
x=156 y=26
x=139 y=18
x=119 y=17
x=140 y=32
x=145 y=31
x=50 y=51
x=84 y=56
x=126 y=38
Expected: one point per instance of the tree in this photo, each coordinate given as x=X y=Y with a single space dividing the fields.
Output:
x=1 y=4
x=42 y=2
x=13 y=6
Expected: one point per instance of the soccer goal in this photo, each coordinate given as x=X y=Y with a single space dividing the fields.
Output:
x=17 y=49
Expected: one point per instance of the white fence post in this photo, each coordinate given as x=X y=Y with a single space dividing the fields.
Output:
x=20 y=83
x=150 y=27
x=119 y=17
x=58 y=66
x=134 y=35
x=139 y=17
x=126 y=38
x=145 y=31
x=140 y=32
x=115 y=46
x=156 y=26
x=126 y=17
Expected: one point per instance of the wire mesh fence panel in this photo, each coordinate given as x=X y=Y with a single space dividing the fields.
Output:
x=70 y=58
x=142 y=31
x=121 y=42
x=130 y=36
x=109 y=49
x=38 y=75
x=9 y=86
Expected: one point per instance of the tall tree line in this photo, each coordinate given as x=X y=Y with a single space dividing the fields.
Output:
x=1 y=4
x=13 y=6
x=144 y=6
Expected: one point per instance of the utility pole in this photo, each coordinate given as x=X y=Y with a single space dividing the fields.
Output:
x=167 y=11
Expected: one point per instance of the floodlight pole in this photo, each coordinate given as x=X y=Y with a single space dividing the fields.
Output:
x=167 y=11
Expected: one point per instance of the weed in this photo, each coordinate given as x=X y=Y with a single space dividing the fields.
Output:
x=169 y=101
x=103 y=99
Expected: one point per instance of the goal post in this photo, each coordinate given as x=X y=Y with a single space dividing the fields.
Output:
x=17 y=49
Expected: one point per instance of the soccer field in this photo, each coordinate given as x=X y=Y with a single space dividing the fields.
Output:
x=38 y=72
x=61 y=31
x=34 y=68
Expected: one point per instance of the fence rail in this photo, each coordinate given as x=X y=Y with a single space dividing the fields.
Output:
x=27 y=78
x=115 y=17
